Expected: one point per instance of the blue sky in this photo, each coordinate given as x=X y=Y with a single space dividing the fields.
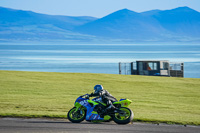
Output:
x=95 y=8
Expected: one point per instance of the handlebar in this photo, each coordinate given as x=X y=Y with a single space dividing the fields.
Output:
x=86 y=96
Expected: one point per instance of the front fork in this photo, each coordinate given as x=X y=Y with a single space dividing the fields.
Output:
x=79 y=108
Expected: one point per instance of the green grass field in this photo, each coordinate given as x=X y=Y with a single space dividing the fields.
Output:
x=45 y=94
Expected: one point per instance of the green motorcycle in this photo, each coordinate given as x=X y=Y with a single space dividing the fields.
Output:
x=91 y=110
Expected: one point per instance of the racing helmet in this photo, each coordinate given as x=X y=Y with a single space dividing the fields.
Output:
x=98 y=88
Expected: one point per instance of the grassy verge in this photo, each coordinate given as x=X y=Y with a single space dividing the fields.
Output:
x=155 y=99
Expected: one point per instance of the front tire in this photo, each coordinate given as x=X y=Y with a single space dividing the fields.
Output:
x=124 y=118
x=76 y=116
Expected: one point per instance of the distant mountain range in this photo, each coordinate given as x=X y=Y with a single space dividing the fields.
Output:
x=177 y=25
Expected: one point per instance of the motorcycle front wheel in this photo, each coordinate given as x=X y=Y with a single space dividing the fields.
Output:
x=76 y=116
x=124 y=116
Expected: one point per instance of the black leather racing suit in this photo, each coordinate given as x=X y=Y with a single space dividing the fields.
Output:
x=106 y=97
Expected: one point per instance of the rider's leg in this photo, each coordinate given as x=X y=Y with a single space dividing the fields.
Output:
x=110 y=106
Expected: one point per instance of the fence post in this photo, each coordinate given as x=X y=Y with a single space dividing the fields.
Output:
x=182 y=68
x=132 y=68
x=120 y=71
x=169 y=74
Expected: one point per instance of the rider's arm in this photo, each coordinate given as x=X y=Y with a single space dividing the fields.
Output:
x=101 y=93
x=94 y=94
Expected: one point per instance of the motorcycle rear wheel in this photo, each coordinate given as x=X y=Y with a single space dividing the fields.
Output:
x=76 y=116
x=124 y=118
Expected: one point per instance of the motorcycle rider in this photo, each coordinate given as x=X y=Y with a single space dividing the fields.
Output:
x=106 y=97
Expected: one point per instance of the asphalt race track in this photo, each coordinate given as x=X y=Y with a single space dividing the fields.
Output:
x=19 y=125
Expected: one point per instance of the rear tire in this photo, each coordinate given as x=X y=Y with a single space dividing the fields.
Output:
x=125 y=118
x=76 y=117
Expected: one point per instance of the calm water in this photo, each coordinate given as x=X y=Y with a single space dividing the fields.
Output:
x=94 y=58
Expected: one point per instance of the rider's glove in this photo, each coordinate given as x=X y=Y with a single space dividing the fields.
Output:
x=90 y=95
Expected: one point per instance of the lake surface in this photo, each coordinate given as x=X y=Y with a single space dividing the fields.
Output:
x=94 y=58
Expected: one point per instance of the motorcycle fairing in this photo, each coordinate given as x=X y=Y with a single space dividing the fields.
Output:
x=90 y=114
